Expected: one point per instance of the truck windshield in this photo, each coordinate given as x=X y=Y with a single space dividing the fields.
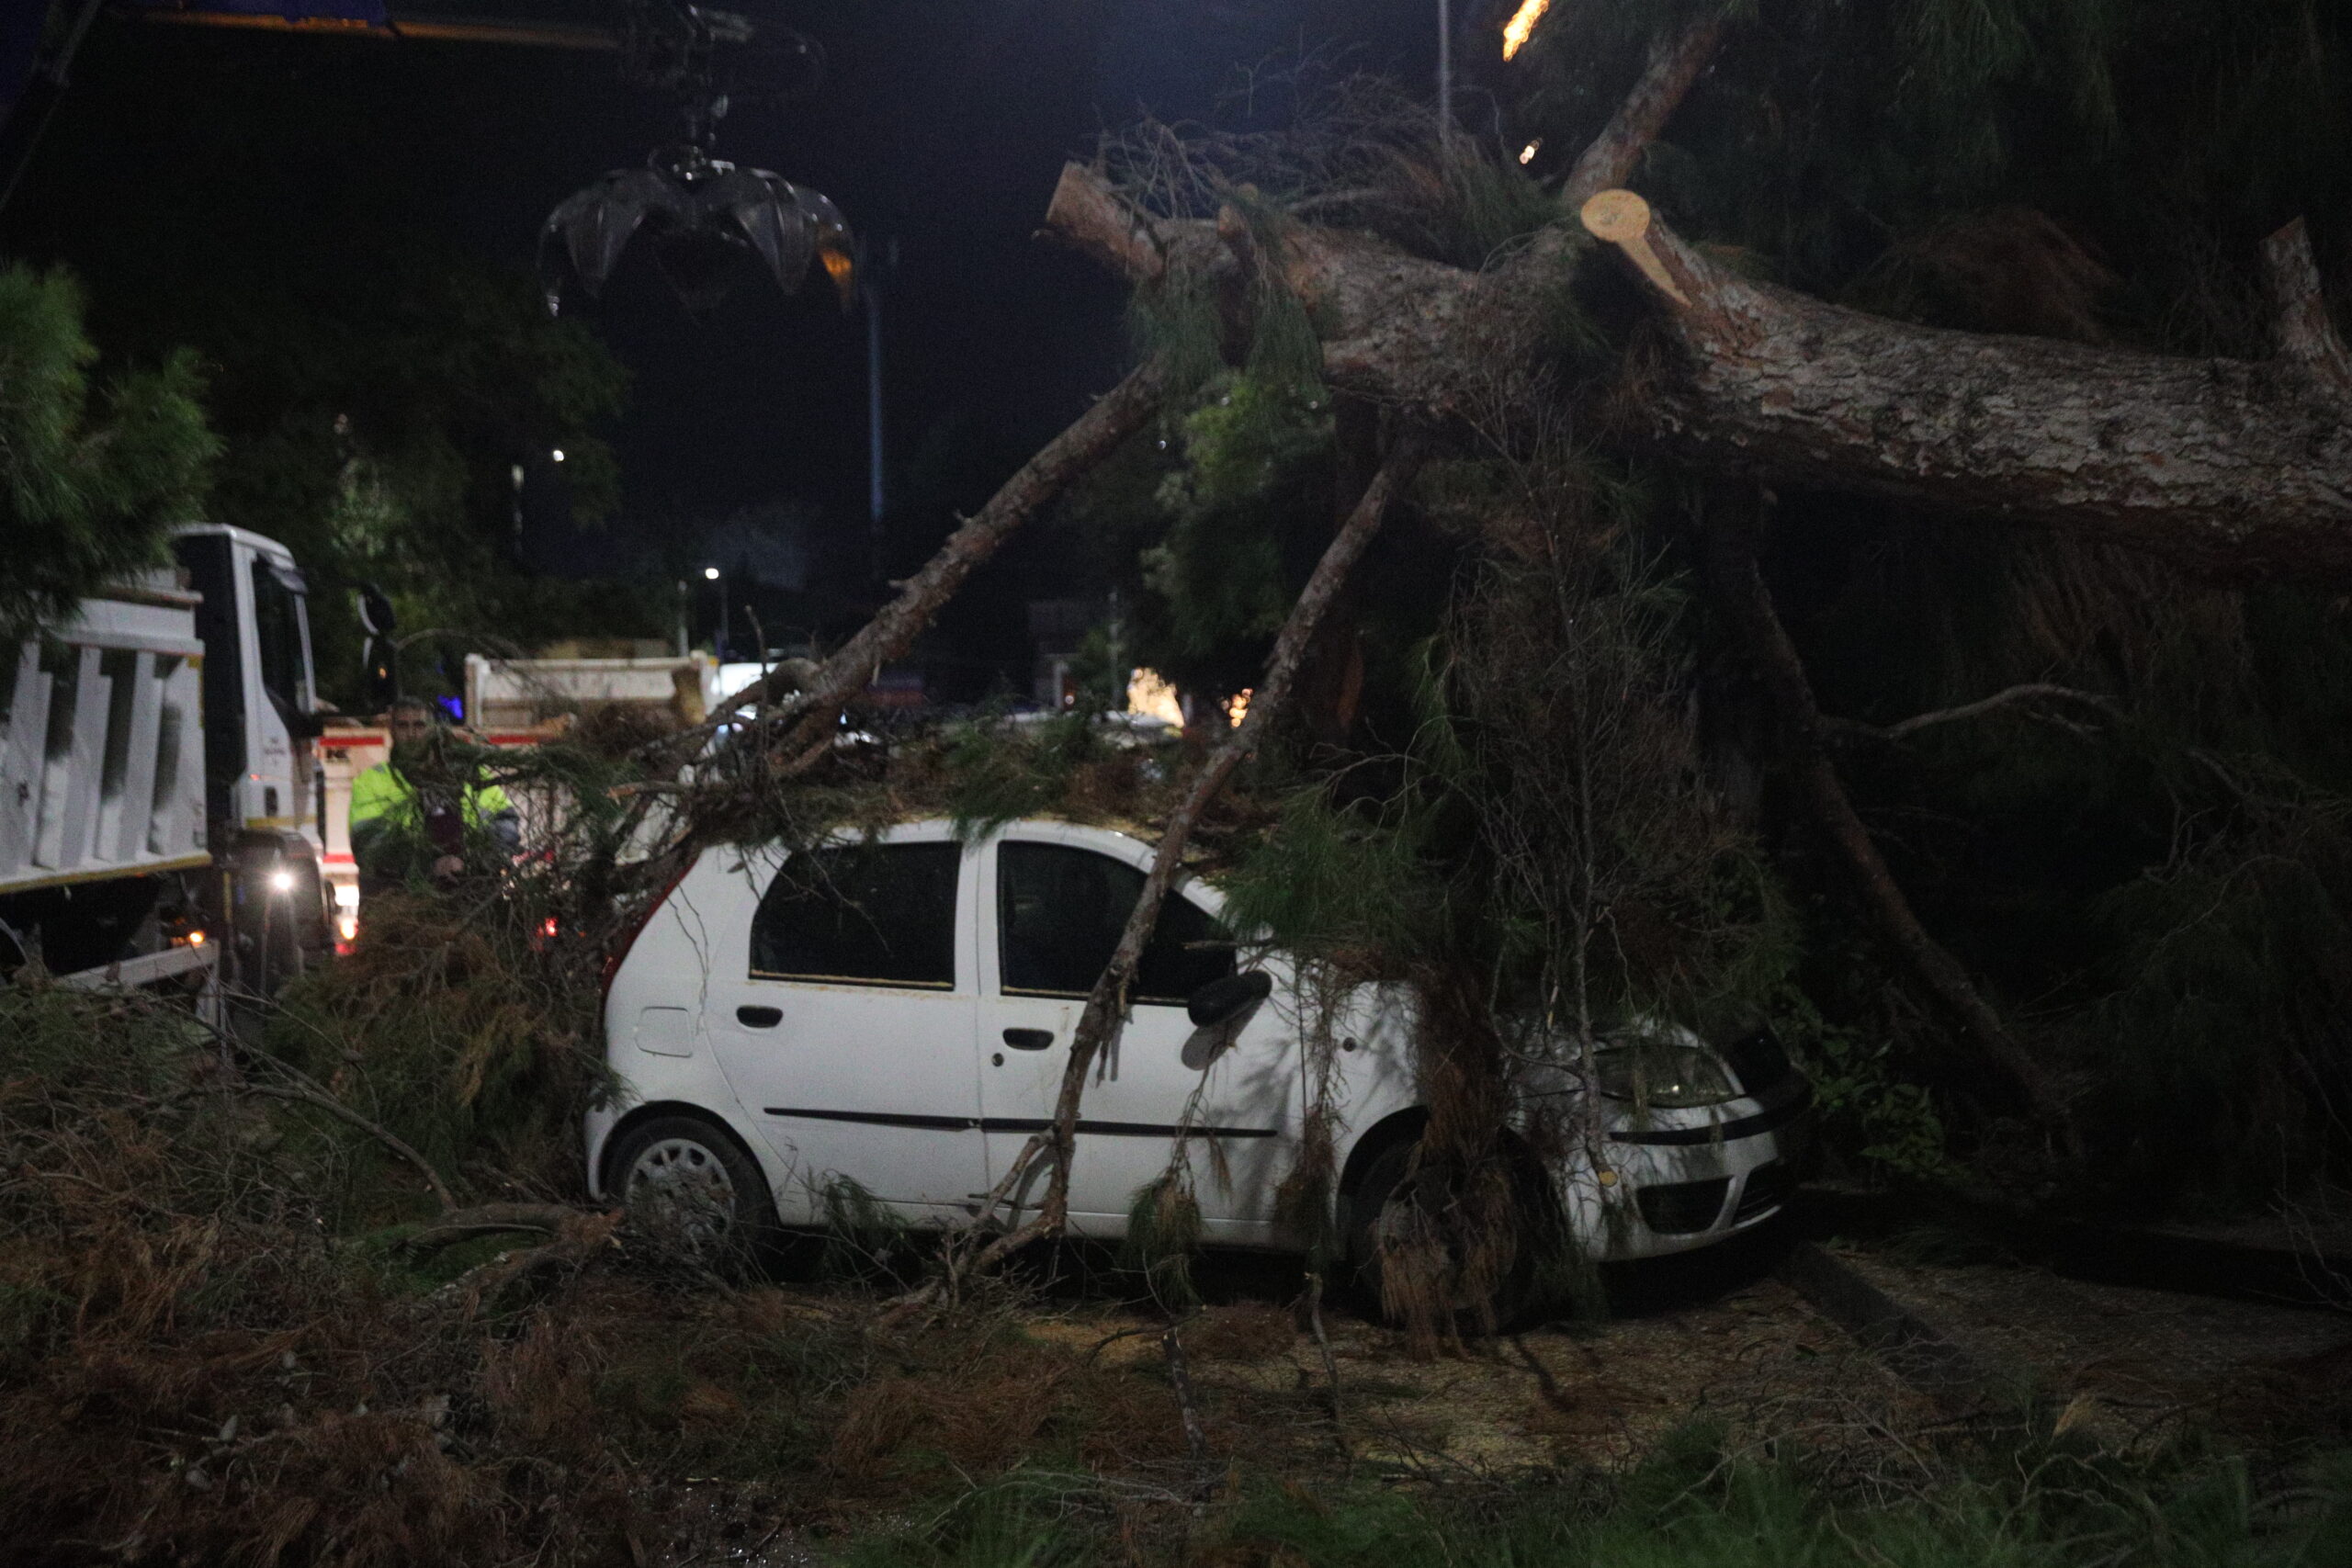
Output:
x=280 y=623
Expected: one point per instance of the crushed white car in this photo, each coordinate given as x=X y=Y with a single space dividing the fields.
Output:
x=898 y=1011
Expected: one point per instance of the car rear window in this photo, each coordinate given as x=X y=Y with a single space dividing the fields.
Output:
x=1059 y=913
x=861 y=914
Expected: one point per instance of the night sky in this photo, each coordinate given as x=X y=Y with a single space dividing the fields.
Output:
x=940 y=126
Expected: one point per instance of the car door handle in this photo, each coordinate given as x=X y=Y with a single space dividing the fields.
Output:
x=759 y=1018
x=1029 y=1039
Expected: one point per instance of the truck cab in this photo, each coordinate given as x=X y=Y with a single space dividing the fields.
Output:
x=264 y=800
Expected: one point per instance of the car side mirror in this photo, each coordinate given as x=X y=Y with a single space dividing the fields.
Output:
x=1221 y=1001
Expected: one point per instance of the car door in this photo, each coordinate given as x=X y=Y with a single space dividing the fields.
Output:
x=1061 y=896
x=843 y=1020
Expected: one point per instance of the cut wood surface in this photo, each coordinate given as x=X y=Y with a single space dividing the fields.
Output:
x=2239 y=466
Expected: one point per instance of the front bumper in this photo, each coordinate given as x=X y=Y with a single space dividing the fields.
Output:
x=1680 y=1180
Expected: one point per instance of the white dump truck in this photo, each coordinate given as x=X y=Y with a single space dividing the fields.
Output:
x=509 y=703
x=161 y=808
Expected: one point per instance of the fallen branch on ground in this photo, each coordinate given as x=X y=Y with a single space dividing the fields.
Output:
x=2030 y=690
x=308 y=1094
x=487 y=1219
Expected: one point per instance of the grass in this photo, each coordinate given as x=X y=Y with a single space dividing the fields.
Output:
x=1689 y=1506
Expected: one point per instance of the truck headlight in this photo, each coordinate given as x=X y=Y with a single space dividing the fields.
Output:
x=1661 y=1074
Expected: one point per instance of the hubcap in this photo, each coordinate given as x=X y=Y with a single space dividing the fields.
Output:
x=680 y=1189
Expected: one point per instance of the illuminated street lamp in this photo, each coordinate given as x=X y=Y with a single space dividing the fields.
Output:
x=710 y=574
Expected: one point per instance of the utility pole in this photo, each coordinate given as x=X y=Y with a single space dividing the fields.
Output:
x=1445 y=74
x=870 y=269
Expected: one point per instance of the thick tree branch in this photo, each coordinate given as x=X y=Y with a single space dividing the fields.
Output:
x=2307 y=339
x=816 y=699
x=1675 y=65
x=2030 y=690
x=1739 y=588
x=1087 y=213
x=1099 y=1026
x=2241 y=468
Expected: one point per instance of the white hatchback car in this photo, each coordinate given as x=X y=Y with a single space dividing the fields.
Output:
x=899 y=1012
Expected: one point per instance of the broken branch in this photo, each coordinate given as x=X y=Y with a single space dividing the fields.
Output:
x=2030 y=690
x=1675 y=65
x=813 y=698
x=1099 y=1026
x=1730 y=540
x=2241 y=465
x=2307 y=338
x=304 y=1094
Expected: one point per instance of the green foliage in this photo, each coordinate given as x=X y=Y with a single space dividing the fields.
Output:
x=375 y=438
x=85 y=493
x=2221 y=1048
x=1177 y=320
x=1163 y=1237
x=1342 y=878
x=997 y=772
x=1691 y=1505
x=864 y=1242
x=465 y=1022
x=1254 y=486
x=1884 y=1123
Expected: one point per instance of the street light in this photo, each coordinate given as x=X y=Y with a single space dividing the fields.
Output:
x=710 y=574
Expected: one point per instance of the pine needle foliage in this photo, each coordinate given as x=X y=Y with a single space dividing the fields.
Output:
x=90 y=477
x=1162 y=1240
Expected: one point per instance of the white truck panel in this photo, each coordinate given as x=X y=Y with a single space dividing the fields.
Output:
x=101 y=764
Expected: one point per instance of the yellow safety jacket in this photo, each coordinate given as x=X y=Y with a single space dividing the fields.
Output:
x=388 y=836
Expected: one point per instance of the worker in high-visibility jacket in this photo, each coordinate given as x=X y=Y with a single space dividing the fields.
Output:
x=415 y=817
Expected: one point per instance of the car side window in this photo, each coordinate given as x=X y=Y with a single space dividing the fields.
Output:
x=861 y=914
x=1059 y=913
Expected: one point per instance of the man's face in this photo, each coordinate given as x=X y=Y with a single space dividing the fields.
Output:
x=410 y=728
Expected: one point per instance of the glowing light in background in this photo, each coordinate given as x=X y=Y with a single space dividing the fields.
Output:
x=1527 y=153
x=1522 y=23
x=1239 y=708
x=1153 y=697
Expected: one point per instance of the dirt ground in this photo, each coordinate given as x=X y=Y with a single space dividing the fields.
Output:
x=1739 y=1347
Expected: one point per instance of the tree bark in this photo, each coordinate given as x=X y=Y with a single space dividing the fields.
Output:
x=1739 y=587
x=815 y=701
x=1675 y=65
x=1106 y=1007
x=2241 y=468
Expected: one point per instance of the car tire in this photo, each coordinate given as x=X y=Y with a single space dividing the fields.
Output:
x=694 y=1192
x=1373 y=1205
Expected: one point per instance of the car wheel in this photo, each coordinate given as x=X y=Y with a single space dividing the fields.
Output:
x=691 y=1189
x=1382 y=1223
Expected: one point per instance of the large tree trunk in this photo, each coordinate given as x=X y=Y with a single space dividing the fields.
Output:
x=2239 y=467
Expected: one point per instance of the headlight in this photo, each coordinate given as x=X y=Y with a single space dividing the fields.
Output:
x=1669 y=1077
